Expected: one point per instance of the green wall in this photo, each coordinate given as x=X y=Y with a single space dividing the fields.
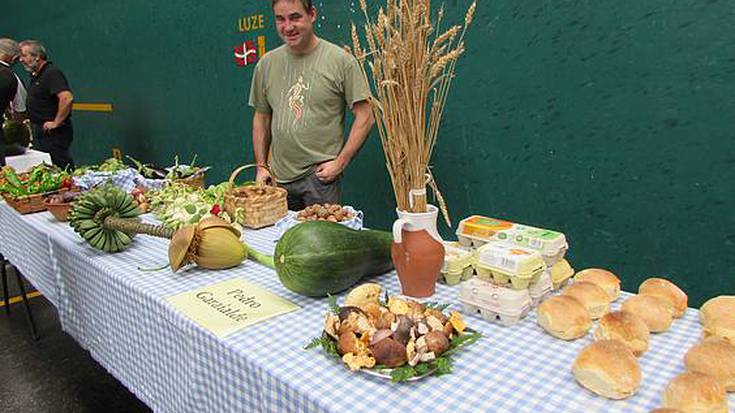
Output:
x=610 y=121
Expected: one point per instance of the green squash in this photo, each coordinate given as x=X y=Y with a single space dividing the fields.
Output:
x=16 y=133
x=317 y=258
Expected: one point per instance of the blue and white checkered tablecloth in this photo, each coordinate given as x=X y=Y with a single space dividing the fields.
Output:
x=25 y=243
x=119 y=314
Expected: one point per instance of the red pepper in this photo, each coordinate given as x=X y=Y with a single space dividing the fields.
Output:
x=215 y=210
x=67 y=183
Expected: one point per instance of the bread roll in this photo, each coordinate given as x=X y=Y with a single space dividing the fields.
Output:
x=714 y=357
x=603 y=278
x=592 y=297
x=655 y=311
x=716 y=307
x=668 y=291
x=630 y=329
x=665 y=410
x=564 y=317
x=608 y=368
x=720 y=326
x=695 y=393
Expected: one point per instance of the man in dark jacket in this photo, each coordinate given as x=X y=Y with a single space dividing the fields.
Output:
x=9 y=86
x=49 y=104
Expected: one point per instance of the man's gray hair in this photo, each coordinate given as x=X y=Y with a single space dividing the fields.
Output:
x=9 y=48
x=35 y=48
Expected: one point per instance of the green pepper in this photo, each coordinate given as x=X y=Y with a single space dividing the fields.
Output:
x=12 y=178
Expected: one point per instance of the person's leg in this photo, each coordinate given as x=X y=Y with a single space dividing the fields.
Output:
x=2 y=146
x=40 y=140
x=317 y=192
x=61 y=139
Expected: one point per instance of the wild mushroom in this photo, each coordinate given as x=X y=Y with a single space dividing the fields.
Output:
x=390 y=353
x=402 y=329
x=436 y=342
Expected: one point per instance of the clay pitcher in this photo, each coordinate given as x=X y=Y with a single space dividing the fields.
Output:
x=417 y=252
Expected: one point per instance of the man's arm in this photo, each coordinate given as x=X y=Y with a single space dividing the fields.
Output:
x=261 y=143
x=65 y=101
x=363 y=122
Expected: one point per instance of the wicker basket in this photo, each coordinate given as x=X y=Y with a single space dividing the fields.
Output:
x=257 y=205
x=59 y=211
x=28 y=204
x=195 y=181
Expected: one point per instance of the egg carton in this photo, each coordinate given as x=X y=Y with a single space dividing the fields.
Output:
x=458 y=264
x=561 y=273
x=494 y=303
x=508 y=265
x=477 y=231
x=541 y=288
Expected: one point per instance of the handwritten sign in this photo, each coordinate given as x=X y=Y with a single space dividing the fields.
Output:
x=229 y=306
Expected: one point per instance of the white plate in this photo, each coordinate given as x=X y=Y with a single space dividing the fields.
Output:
x=385 y=374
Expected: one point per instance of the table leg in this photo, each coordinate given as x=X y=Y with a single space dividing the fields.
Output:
x=6 y=298
x=29 y=315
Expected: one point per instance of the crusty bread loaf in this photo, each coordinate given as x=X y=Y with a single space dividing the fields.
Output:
x=603 y=278
x=630 y=329
x=714 y=357
x=716 y=307
x=608 y=368
x=654 y=310
x=695 y=393
x=722 y=327
x=592 y=297
x=667 y=290
x=564 y=317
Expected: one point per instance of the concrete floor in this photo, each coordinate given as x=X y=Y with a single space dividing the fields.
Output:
x=53 y=374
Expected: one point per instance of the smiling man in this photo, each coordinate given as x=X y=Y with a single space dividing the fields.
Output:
x=300 y=92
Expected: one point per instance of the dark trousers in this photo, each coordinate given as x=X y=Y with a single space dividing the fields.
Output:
x=310 y=190
x=2 y=146
x=56 y=142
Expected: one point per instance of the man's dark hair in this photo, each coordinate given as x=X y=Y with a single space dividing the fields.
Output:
x=308 y=4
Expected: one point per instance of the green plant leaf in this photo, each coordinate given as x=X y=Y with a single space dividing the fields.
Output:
x=333 y=304
x=402 y=374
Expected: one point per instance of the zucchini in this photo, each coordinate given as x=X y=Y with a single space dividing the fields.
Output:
x=317 y=258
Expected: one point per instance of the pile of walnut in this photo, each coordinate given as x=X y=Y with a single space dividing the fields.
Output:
x=405 y=332
x=253 y=191
x=326 y=212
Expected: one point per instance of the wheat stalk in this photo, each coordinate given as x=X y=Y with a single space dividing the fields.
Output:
x=411 y=63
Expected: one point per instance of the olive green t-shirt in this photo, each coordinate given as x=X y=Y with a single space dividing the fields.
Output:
x=307 y=96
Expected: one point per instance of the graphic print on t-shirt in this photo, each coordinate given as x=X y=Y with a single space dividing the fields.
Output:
x=296 y=98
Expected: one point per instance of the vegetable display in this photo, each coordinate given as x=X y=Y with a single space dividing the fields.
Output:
x=317 y=258
x=397 y=338
x=39 y=180
x=109 y=165
x=178 y=204
x=93 y=212
x=184 y=171
x=107 y=218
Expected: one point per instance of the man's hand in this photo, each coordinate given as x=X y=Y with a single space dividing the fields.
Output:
x=329 y=171
x=50 y=125
x=262 y=175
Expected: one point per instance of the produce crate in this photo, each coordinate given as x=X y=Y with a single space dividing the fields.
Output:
x=28 y=204
x=257 y=205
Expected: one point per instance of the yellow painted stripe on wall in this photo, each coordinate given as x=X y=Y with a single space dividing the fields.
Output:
x=18 y=299
x=93 y=107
